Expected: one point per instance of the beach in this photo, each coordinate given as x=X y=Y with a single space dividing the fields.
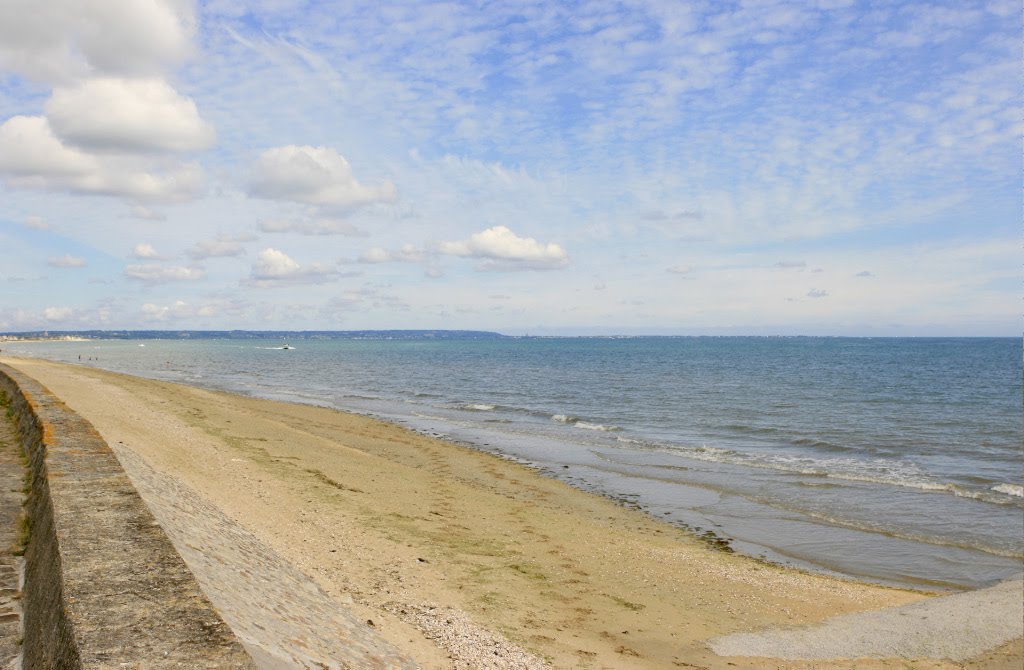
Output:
x=317 y=532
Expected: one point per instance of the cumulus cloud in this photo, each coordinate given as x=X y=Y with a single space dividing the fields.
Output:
x=66 y=261
x=864 y=273
x=131 y=115
x=407 y=254
x=28 y=147
x=501 y=249
x=57 y=40
x=110 y=107
x=160 y=274
x=314 y=176
x=146 y=251
x=221 y=247
x=33 y=157
x=317 y=227
x=817 y=293
x=276 y=268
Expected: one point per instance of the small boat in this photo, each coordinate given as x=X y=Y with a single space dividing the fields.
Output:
x=287 y=346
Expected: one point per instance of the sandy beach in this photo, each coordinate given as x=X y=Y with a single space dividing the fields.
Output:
x=322 y=535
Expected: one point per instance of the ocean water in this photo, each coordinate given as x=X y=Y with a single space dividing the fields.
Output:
x=892 y=460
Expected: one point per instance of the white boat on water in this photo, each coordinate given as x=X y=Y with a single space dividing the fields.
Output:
x=287 y=346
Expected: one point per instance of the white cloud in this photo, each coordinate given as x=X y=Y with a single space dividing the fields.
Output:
x=29 y=148
x=501 y=249
x=110 y=104
x=817 y=293
x=56 y=40
x=140 y=212
x=146 y=251
x=159 y=274
x=791 y=265
x=178 y=310
x=680 y=269
x=275 y=226
x=32 y=157
x=375 y=255
x=407 y=254
x=36 y=223
x=314 y=176
x=317 y=227
x=57 y=313
x=221 y=247
x=131 y=115
x=864 y=273
x=66 y=261
x=276 y=268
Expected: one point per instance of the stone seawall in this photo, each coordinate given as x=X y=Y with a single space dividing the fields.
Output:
x=103 y=586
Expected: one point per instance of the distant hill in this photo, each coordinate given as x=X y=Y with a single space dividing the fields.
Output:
x=255 y=335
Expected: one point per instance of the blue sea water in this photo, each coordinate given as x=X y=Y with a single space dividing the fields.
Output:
x=893 y=460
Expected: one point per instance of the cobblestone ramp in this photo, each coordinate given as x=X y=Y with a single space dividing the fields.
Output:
x=280 y=615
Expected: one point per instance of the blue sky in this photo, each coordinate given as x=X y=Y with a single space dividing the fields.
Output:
x=826 y=167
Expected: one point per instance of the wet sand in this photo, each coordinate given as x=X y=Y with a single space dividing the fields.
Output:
x=292 y=516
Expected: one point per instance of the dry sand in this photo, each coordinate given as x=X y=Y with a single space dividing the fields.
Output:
x=316 y=532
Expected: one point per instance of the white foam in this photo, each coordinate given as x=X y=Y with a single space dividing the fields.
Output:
x=564 y=418
x=876 y=471
x=596 y=426
x=479 y=407
x=1015 y=490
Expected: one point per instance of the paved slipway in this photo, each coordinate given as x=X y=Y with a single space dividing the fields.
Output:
x=281 y=616
x=935 y=628
x=283 y=619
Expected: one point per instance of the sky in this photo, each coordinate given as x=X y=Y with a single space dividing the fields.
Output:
x=826 y=167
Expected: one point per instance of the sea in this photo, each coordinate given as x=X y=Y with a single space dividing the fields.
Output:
x=891 y=460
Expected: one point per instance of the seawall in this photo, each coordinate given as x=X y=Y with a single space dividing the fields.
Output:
x=103 y=586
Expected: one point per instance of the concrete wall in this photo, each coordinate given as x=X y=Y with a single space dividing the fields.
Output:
x=104 y=587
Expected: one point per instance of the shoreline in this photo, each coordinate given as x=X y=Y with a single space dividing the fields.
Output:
x=798 y=509
x=384 y=520
x=697 y=527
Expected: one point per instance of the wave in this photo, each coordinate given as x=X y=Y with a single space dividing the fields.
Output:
x=596 y=426
x=586 y=425
x=357 y=396
x=745 y=428
x=903 y=474
x=1015 y=490
x=939 y=487
x=822 y=445
x=909 y=535
x=478 y=407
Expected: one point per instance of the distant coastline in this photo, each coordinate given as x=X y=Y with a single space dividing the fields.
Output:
x=86 y=335
x=408 y=335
